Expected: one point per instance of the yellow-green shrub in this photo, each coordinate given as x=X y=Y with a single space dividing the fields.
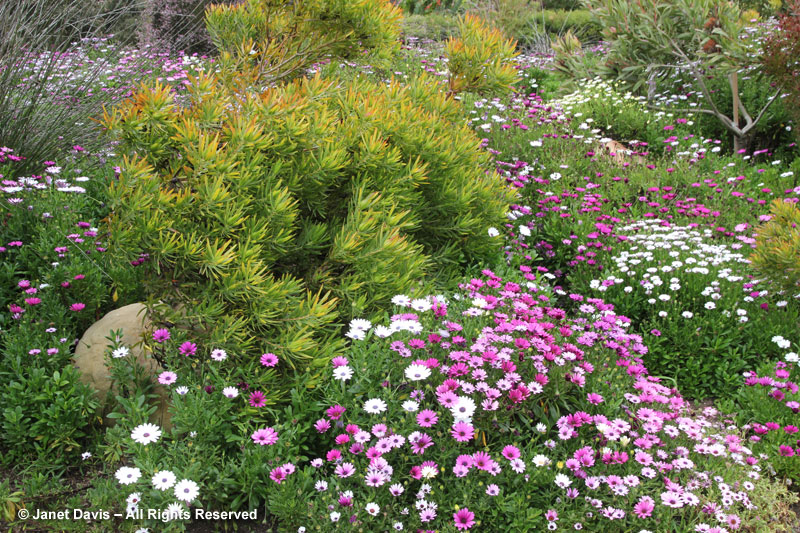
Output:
x=283 y=38
x=777 y=253
x=261 y=210
x=479 y=59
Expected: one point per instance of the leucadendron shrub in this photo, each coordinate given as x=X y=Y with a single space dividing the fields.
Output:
x=261 y=211
x=280 y=39
x=778 y=245
x=479 y=59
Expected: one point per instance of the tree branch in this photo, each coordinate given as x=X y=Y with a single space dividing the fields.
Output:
x=763 y=110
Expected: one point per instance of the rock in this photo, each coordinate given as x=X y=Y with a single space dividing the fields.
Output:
x=91 y=349
x=620 y=154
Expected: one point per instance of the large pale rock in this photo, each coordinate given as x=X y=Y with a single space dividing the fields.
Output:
x=91 y=351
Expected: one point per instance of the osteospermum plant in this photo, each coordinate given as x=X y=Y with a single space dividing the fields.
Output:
x=493 y=408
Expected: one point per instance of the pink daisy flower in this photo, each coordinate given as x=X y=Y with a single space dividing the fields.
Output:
x=167 y=378
x=265 y=436
x=269 y=359
x=161 y=335
x=277 y=475
x=462 y=432
x=427 y=418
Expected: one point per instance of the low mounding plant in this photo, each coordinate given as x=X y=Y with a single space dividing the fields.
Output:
x=479 y=59
x=51 y=289
x=496 y=410
x=260 y=211
x=777 y=253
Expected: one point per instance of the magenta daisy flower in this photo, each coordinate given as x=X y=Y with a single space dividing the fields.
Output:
x=257 y=399
x=265 y=436
x=278 y=475
x=77 y=306
x=511 y=452
x=188 y=348
x=269 y=359
x=161 y=335
x=464 y=518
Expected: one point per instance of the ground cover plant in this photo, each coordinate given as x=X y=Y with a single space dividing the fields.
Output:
x=407 y=285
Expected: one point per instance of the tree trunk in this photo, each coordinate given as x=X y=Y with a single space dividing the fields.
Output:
x=742 y=142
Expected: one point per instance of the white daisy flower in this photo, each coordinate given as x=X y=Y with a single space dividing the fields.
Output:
x=402 y=300
x=410 y=406
x=146 y=433
x=375 y=406
x=230 y=392
x=122 y=351
x=342 y=373
x=163 y=480
x=417 y=372
x=127 y=475
x=360 y=323
x=219 y=354
x=186 y=490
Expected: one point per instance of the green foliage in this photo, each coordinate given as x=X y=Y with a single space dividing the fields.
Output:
x=579 y=21
x=777 y=253
x=46 y=414
x=435 y=26
x=479 y=59
x=663 y=34
x=280 y=39
x=566 y=5
x=420 y=7
x=781 y=50
x=261 y=211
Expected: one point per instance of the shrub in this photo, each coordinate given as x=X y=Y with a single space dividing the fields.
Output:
x=566 y=5
x=259 y=211
x=435 y=26
x=777 y=253
x=282 y=39
x=781 y=50
x=419 y=7
x=178 y=25
x=650 y=40
x=479 y=59
x=580 y=22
